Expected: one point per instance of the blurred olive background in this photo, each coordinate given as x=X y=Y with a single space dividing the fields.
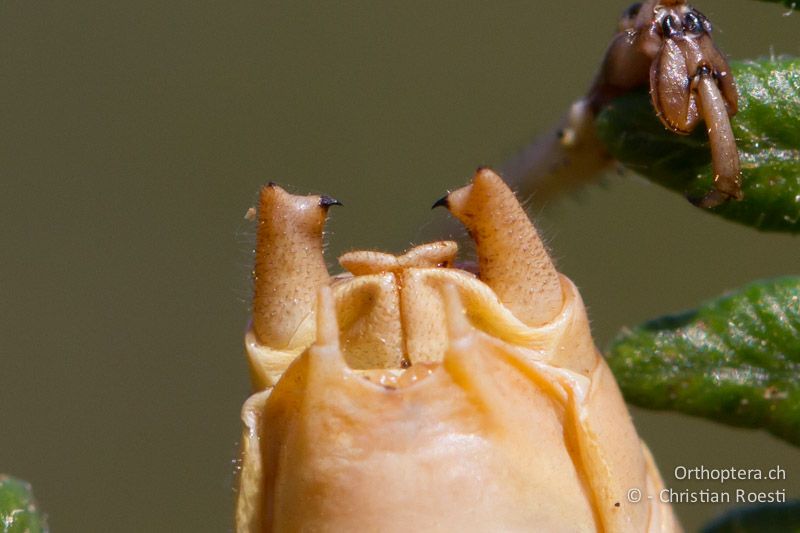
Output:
x=134 y=136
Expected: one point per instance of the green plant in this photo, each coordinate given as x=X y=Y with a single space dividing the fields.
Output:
x=767 y=129
x=18 y=510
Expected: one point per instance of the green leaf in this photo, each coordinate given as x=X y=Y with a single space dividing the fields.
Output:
x=792 y=4
x=767 y=130
x=768 y=518
x=735 y=359
x=18 y=511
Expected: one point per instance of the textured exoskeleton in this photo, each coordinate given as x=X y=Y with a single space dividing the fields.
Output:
x=410 y=395
x=668 y=45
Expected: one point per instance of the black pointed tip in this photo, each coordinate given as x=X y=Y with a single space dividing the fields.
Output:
x=712 y=199
x=272 y=184
x=441 y=202
x=695 y=200
x=327 y=201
